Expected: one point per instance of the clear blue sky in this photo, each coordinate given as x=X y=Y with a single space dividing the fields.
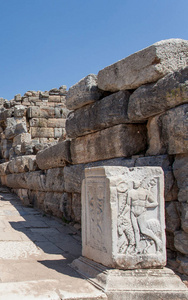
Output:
x=48 y=43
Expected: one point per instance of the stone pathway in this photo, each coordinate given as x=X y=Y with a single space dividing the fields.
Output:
x=35 y=253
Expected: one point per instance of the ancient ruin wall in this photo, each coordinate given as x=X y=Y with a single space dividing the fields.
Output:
x=133 y=113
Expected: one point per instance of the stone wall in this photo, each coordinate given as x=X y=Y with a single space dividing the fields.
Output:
x=133 y=113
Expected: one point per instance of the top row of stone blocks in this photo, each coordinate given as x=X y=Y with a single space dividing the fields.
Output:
x=145 y=66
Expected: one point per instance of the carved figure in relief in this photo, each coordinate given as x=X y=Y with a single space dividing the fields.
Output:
x=124 y=221
x=140 y=200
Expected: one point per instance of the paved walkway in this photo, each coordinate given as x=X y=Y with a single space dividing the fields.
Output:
x=35 y=253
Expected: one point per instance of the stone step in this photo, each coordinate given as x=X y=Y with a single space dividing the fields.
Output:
x=48 y=290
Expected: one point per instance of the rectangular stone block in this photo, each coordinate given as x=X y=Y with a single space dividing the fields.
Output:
x=40 y=112
x=144 y=66
x=56 y=123
x=168 y=132
x=117 y=141
x=152 y=99
x=38 y=122
x=109 y=111
x=42 y=132
x=54 y=156
x=55 y=98
x=84 y=92
x=123 y=217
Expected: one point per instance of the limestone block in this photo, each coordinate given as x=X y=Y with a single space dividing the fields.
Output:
x=76 y=207
x=52 y=204
x=74 y=174
x=163 y=161
x=60 y=112
x=184 y=216
x=4 y=169
x=33 y=98
x=21 y=138
x=19 y=111
x=147 y=65
x=109 y=111
x=172 y=216
x=152 y=99
x=53 y=180
x=15 y=127
x=58 y=132
x=181 y=242
x=42 y=112
x=55 y=98
x=38 y=122
x=40 y=132
x=56 y=123
x=120 y=140
x=54 y=156
x=25 y=163
x=168 y=132
x=66 y=206
x=180 y=169
x=84 y=92
x=18 y=97
x=123 y=217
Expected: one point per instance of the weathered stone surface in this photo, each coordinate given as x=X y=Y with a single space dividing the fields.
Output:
x=42 y=112
x=38 y=122
x=56 y=123
x=120 y=140
x=4 y=169
x=37 y=132
x=109 y=111
x=152 y=99
x=55 y=156
x=147 y=65
x=84 y=92
x=20 y=164
x=168 y=132
x=19 y=111
x=180 y=169
x=15 y=127
x=123 y=217
x=172 y=214
x=181 y=242
x=21 y=139
x=55 y=98
x=65 y=206
x=163 y=161
x=52 y=204
x=76 y=207
x=48 y=181
x=74 y=174
x=152 y=284
x=184 y=216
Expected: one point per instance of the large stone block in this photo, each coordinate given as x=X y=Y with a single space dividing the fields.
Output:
x=165 y=162
x=4 y=170
x=117 y=141
x=123 y=217
x=84 y=92
x=42 y=132
x=168 y=132
x=181 y=242
x=152 y=99
x=180 y=169
x=56 y=123
x=21 y=164
x=147 y=65
x=74 y=174
x=54 y=156
x=42 y=112
x=109 y=111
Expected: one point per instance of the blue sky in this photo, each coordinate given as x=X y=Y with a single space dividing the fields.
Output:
x=48 y=43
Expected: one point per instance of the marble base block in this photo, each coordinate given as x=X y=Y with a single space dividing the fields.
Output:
x=123 y=217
